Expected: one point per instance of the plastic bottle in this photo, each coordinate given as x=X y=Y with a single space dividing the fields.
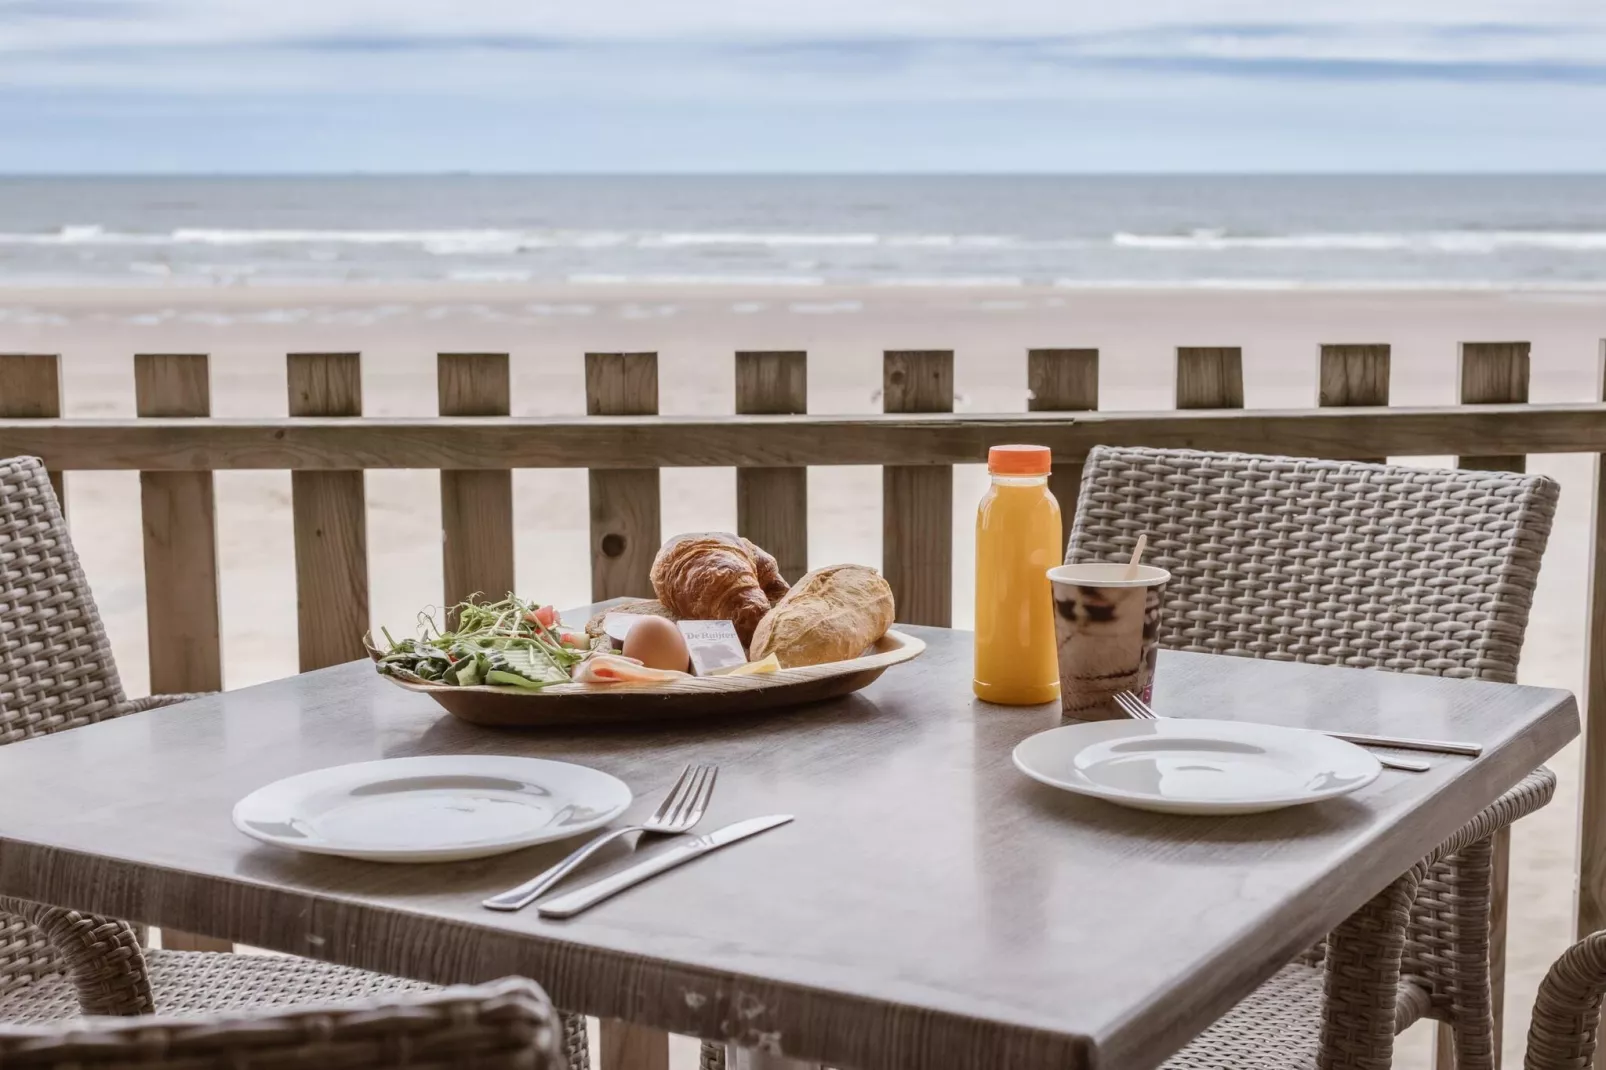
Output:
x=1018 y=539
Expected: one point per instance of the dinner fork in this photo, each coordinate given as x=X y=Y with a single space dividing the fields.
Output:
x=1138 y=710
x=682 y=808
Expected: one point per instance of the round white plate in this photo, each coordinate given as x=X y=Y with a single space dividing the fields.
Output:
x=1196 y=767
x=435 y=809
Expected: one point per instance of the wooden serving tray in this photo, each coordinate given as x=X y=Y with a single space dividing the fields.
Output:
x=698 y=696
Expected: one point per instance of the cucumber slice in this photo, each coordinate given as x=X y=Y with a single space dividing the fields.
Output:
x=513 y=679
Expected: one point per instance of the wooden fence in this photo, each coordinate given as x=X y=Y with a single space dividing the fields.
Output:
x=325 y=443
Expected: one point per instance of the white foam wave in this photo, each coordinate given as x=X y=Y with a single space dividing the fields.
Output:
x=1439 y=241
x=451 y=242
x=597 y=279
x=671 y=240
x=488 y=275
x=456 y=242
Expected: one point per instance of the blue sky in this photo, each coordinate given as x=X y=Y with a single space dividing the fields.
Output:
x=827 y=85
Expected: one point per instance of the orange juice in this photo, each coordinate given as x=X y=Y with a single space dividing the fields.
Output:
x=1018 y=539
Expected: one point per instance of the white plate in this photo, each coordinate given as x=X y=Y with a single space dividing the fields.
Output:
x=1196 y=767
x=436 y=809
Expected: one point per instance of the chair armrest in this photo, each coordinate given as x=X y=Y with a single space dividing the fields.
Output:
x=504 y=1025
x=1448 y=938
x=155 y=702
x=101 y=956
x=1566 y=1014
x=1532 y=793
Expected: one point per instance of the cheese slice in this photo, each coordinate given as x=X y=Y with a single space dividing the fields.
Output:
x=756 y=668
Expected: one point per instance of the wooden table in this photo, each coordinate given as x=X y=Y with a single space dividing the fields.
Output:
x=930 y=907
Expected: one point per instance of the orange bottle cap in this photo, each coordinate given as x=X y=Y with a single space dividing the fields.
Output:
x=1019 y=460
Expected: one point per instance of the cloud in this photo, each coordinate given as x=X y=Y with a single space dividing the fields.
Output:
x=1239 y=70
x=926 y=66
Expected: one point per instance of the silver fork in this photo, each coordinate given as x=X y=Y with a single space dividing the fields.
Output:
x=1138 y=710
x=680 y=812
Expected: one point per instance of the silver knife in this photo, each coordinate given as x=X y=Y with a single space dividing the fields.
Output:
x=572 y=903
x=1437 y=746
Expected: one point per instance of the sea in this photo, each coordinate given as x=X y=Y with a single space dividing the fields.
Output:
x=1388 y=232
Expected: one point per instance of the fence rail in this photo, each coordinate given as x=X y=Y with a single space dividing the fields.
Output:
x=620 y=442
x=771 y=440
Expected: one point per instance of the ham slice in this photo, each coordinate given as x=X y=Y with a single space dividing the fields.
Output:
x=616 y=669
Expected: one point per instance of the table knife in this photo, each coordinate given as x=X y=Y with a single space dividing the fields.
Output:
x=572 y=903
x=1437 y=746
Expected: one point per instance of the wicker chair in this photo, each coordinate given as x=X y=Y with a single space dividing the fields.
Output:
x=1361 y=565
x=505 y=1025
x=1566 y=1018
x=56 y=674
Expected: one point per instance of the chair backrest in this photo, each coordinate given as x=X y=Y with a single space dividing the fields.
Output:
x=56 y=668
x=1414 y=570
x=502 y=1025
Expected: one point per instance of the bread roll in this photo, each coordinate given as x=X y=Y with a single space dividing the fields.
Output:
x=831 y=614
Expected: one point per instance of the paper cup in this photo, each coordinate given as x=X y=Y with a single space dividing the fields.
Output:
x=1107 y=635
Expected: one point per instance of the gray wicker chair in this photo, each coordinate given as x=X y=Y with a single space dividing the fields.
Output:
x=505 y=1025
x=56 y=674
x=1362 y=565
x=1566 y=1018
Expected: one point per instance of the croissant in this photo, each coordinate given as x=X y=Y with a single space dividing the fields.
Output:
x=715 y=576
x=769 y=573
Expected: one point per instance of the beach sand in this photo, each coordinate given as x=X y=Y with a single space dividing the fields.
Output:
x=399 y=329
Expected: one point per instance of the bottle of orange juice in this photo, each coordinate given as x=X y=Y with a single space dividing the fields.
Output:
x=1018 y=539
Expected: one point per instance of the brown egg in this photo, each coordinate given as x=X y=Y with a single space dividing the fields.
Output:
x=657 y=644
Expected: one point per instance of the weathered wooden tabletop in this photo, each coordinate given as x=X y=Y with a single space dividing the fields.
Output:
x=930 y=907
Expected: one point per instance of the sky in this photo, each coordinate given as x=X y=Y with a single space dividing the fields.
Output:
x=225 y=86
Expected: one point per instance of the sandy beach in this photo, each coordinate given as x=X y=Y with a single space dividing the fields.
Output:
x=398 y=329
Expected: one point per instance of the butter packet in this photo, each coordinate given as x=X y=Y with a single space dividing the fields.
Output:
x=714 y=646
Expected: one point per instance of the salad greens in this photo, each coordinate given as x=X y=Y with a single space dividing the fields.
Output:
x=512 y=643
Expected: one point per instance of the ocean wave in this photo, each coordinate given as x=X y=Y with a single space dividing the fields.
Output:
x=670 y=240
x=1437 y=241
x=457 y=242
x=598 y=279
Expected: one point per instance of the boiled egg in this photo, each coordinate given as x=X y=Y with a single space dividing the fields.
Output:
x=657 y=644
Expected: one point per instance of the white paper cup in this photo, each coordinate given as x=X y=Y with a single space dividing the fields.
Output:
x=1107 y=634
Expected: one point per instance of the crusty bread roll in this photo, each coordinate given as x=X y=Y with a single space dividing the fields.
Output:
x=831 y=614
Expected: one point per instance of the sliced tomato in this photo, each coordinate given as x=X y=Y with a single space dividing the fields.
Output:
x=546 y=616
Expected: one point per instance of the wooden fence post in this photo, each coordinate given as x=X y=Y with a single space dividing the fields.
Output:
x=1592 y=793
x=180 y=524
x=1493 y=373
x=331 y=523
x=1063 y=380
x=476 y=505
x=772 y=504
x=917 y=501
x=30 y=389
x=626 y=521
x=1354 y=375
x=626 y=530
x=1210 y=377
